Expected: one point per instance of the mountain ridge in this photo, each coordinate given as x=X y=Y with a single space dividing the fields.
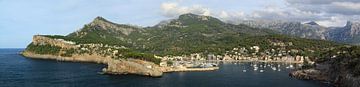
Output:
x=349 y=33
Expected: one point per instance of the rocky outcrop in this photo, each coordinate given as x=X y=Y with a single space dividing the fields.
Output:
x=41 y=40
x=350 y=33
x=115 y=66
x=333 y=71
x=75 y=58
x=132 y=66
x=308 y=74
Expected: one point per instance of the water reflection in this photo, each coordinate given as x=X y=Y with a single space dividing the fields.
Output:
x=246 y=66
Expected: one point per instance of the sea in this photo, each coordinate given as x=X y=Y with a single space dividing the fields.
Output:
x=19 y=71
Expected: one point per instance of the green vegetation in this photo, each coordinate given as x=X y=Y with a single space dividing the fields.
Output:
x=43 y=49
x=184 y=36
x=169 y=62
x=69 y=52
x=340 y=57
x=142 y=56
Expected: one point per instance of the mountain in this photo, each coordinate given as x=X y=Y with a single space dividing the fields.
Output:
x=101 y=30
x=129 y=49
x=312 y=23
x=191 y=33
x=339 y=66
x=350 y=33
x=118 y=45
x=311 y=30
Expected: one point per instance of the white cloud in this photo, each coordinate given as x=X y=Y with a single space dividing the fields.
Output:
x=347 y=5
x=346 y=8
x=332 y=22
x=173 y=9
x=343 y=7
x=326 y=12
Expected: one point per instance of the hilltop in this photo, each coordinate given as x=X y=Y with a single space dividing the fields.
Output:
x=190 y=37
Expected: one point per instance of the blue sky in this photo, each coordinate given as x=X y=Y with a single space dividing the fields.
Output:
x=21 y=19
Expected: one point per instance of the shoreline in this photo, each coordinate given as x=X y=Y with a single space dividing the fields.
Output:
x=295 y=62
x=192 y=69
x=113 y=65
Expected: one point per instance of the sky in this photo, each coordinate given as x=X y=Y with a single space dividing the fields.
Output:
x=21 y=19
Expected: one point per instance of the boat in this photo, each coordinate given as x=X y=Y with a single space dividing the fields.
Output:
x=207 y=65
x=274 y=68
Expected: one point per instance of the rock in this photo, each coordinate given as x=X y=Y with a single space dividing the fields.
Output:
x=333 y=70
x=307 y=74
x=132 y=66
x=115 y=66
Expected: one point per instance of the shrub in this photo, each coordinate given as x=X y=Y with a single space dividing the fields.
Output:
x=142 y=56
x=43 y=49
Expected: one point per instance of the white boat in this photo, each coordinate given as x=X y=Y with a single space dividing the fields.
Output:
x=261 y=70
x=274 y=68
x=244 y=70
x=291 y=66
x=279 y=69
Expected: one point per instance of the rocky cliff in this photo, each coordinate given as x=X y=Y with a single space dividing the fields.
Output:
x=340 y=67
x=350 y=33
x=115 y=66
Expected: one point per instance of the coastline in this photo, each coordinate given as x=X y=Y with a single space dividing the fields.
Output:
x=295 y=62
x=133 y=66
x=113 y=66
x=117 y=67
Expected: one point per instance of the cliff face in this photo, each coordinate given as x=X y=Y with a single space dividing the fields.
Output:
x=340 y=67
x=132 y=66
x=115 y=66
x=41 y=40
x=350 y=33
x=337 y=75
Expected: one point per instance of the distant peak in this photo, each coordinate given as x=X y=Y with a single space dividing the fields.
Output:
x=312 y=23
x=196 y=17
x=101 y=21
x=348 y=23
x=99 y=18
x=190 y=14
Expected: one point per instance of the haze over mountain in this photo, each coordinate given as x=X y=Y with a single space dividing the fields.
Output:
x=347 y=34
